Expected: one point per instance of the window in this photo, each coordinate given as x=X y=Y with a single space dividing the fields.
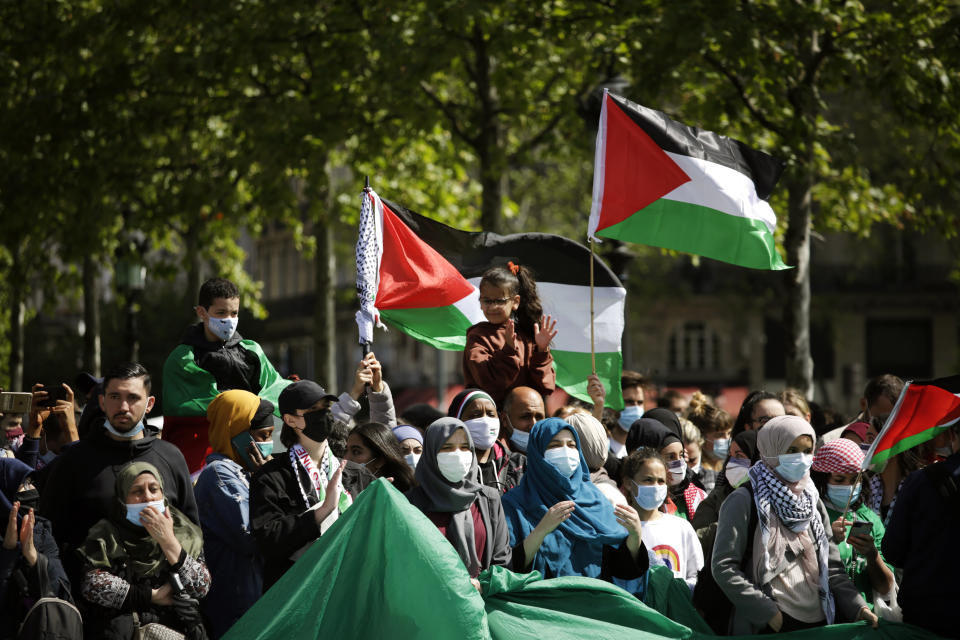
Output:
x=694 y=347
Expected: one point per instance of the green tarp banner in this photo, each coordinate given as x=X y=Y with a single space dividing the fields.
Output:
x=384 y=571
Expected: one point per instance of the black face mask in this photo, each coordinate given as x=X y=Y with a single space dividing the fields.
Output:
x=318 y=425
x=29 y=499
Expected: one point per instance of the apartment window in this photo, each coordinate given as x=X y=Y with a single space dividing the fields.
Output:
x=694 y=347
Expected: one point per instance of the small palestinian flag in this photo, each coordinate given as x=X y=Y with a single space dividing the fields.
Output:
x=665 y=184
x=923 y=411
x=422 y=277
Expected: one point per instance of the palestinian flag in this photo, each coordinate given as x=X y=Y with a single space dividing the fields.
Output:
x=422 y=277
x=662 y=183
x=923 y=411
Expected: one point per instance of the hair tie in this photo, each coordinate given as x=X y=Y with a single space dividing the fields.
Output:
x=514 y=268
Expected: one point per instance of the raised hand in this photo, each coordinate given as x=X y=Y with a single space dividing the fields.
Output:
x=332 y=498
x=555 y=515
x=10 y=537
x=27 y=548
x=376 y=372
x=544 y=332
x=510 y=334
x=597 y=393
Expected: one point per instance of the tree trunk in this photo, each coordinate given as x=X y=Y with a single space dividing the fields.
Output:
x=797 y=310
x=91 y=316
x=487 y=146
x=18 y=314
x=324 y=311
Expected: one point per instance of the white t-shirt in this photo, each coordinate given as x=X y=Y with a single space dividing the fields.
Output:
x=672 y=542
x=617 y=449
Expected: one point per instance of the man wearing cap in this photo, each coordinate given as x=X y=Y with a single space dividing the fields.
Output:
x=296 y=496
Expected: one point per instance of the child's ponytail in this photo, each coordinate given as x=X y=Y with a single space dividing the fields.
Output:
x=518 y=279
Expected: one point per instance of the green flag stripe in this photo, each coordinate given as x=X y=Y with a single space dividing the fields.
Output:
x=442 y=327
x=691 y=228
x=880 y=458
x=573 y=367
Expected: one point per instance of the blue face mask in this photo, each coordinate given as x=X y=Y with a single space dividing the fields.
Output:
x=134 y=510
x=223 y=328
x=521 y=439
x=629 y=415
x=721 y=448
x=838 y=494
x=793 y=466
x=266 y=448
x=650 y=496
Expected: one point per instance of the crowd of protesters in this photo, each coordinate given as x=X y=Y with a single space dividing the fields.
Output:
x=765 y=517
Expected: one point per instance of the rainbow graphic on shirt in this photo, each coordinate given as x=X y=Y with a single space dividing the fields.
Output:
x=667 y=556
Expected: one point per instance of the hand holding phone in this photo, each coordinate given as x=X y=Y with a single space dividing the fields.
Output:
x=860 y=528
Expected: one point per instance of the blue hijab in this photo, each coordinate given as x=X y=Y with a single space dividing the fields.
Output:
x=575 y=548
x=12 y=473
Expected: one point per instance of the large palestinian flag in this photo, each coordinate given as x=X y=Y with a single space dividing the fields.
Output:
x=422 y=277
x=665 y=184
x=924 y=409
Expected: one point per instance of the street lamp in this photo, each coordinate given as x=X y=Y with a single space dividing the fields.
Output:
x=131 y=275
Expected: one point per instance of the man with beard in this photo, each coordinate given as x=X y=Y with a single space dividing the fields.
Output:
x=81 y=487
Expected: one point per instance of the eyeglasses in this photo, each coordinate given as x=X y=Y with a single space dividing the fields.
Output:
x=494 y=302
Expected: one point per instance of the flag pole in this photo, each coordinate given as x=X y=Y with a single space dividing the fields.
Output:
x=593 y=356
x=365 y=347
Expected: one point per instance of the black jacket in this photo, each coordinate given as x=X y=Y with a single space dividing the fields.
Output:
x=230 y=364
x=279 y=520
x=81 y=486
x=921 y=539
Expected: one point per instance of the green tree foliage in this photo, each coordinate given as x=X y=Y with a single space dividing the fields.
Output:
x=801 y=80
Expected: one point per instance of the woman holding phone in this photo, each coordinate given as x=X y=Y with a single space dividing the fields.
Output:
x=241 y=436
x=836 y=474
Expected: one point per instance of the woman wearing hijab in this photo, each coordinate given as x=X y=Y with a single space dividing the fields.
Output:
x=685 y=493
x=28 y=548
x=595 y=443
x=144 y=563
x=560 y=523
x=410 y=440
x=782 y=573
x=498 y=467
x=241 y=436
x=467 y=513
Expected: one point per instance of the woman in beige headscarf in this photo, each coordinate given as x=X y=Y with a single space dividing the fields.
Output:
x=779 y=568
x=594 y=443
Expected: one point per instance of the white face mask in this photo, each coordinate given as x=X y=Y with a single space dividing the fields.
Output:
x=223 y=328
x=736 y=471
x=565 y=459
x=677 y=470
x=412 y=459
x=484 y=431
x=454 y=465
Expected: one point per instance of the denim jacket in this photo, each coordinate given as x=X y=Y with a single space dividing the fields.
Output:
x=223 y=499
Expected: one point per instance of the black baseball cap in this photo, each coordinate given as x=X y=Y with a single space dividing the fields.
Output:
x=302 y=394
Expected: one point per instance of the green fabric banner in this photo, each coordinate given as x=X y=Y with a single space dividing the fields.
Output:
x=384 y=571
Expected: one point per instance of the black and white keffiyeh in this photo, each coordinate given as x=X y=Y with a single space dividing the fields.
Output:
x=797 y=511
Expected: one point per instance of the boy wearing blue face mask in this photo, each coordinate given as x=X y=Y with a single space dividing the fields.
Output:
x=211 y=358
x=670 y=539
